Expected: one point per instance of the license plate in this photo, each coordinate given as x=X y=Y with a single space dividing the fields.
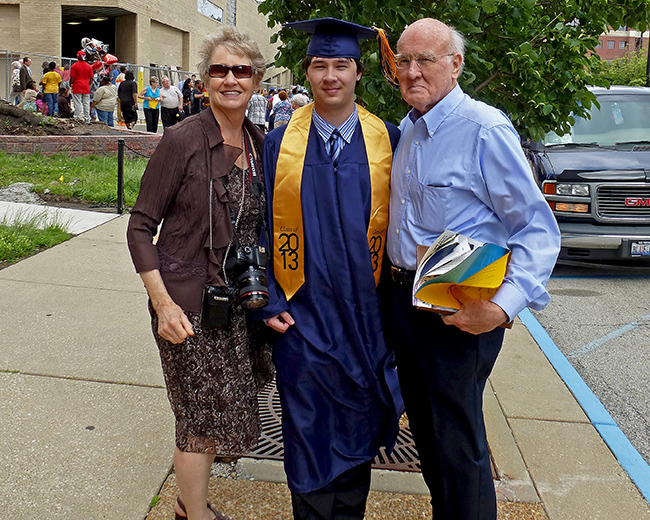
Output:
x=640 y=248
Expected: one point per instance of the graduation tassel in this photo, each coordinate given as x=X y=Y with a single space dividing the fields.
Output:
x=387 y=58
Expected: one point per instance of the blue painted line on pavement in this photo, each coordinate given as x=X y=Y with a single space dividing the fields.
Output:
x=597 y=276
x=626 y=454
x=598 y=343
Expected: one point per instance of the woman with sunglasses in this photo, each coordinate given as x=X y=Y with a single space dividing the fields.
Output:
x=203 y=183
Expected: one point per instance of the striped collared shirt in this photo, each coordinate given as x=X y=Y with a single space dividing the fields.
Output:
x=346 y=129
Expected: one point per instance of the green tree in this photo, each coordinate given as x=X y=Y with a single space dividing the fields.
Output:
x=530 y=58
x=627 y=70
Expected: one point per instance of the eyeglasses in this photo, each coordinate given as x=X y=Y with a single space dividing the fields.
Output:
x=423 y=60
x=217 y=70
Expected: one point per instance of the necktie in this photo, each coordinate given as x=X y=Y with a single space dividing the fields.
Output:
x=333 y=147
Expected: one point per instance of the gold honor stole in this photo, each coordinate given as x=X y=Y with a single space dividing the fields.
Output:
x=288 y=234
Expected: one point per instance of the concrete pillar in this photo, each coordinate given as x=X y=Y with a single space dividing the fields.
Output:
x=126 y=38
x=143 y=40
x=187 y=57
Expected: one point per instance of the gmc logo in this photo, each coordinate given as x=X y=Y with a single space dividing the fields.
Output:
x=636 y=201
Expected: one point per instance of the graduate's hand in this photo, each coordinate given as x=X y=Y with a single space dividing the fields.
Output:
x=281 y=322
x=475 y=316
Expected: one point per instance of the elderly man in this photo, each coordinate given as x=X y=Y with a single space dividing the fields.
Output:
x=458 y=166
x=299 y=101
x=171 y=99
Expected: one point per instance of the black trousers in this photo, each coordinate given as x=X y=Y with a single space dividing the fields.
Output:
x=169 y=116
x=342 y=499
x=442 y=372
x=151 y=118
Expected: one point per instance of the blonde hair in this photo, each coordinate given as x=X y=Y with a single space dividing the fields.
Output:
x=236 y=42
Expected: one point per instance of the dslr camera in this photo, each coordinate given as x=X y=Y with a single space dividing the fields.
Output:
x=247 y=266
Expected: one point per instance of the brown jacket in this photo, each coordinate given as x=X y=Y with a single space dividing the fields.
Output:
x=174 y=189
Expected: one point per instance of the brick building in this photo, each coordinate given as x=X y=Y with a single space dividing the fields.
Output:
x=145 y=32
x=618 y=43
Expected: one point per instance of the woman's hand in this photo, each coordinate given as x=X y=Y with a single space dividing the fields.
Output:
x=281 y=322
x=173 y=324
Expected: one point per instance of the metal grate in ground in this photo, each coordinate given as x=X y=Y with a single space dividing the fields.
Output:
x=403 y=458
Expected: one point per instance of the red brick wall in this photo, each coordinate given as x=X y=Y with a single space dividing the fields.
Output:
x=617 y=52
x=76 y=145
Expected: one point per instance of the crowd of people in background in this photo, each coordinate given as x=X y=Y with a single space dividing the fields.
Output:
x=269 y=109
x=112 y=98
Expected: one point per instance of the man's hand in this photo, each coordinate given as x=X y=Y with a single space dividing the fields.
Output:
x=475 y=316
x=281 y=322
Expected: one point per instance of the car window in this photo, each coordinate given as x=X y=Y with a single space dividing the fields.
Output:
x=621 y=118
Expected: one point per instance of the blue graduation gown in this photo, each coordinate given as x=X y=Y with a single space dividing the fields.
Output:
x=335 y=375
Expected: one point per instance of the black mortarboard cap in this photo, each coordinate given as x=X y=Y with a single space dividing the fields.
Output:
x=333 y=38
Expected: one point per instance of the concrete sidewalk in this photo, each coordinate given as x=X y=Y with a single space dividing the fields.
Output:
x=87 y=432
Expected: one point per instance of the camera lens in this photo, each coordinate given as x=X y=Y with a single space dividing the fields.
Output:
x=253 y=293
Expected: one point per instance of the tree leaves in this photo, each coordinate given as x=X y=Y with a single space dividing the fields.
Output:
x=531 y=59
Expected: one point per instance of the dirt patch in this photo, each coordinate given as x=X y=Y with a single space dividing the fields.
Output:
x=17 y=121
x=49 y=199
x=22 y=192
x=61 y=201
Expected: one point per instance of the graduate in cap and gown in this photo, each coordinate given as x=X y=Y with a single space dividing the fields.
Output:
x=328 y=177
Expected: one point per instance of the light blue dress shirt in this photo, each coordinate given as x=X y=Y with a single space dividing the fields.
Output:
x=346 y=129
x=460 y=167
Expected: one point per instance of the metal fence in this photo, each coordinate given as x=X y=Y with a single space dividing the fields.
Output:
x=142 y=73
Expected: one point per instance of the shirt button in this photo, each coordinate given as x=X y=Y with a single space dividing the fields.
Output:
x=408 y=172
x=417 y=143
x=397 y=231
x=403 y=201
x=397 y=261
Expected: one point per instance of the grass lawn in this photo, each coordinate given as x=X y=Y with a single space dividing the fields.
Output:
x=91 y=179
x=22 y=237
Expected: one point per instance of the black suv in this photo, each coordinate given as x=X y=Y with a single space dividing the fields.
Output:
x=597 y=178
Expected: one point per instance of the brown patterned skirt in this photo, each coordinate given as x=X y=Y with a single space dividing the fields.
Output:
x=212 y=383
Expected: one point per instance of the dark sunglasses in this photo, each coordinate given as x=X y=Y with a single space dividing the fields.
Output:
x=217 y=70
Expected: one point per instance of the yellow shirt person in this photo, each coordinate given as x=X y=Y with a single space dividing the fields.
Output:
x=50 y=82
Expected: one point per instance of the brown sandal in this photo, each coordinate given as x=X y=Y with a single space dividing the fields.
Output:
x=182 y=506
x=217 y=514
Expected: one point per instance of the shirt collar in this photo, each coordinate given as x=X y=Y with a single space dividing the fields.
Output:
x=213 y=132
x=440 y=111
x=346 y=129
x=211 y=128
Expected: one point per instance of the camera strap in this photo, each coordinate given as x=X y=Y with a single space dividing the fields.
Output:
x=248 y=164
x=256 y=181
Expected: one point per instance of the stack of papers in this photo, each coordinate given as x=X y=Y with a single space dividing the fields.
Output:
x=477 y=268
